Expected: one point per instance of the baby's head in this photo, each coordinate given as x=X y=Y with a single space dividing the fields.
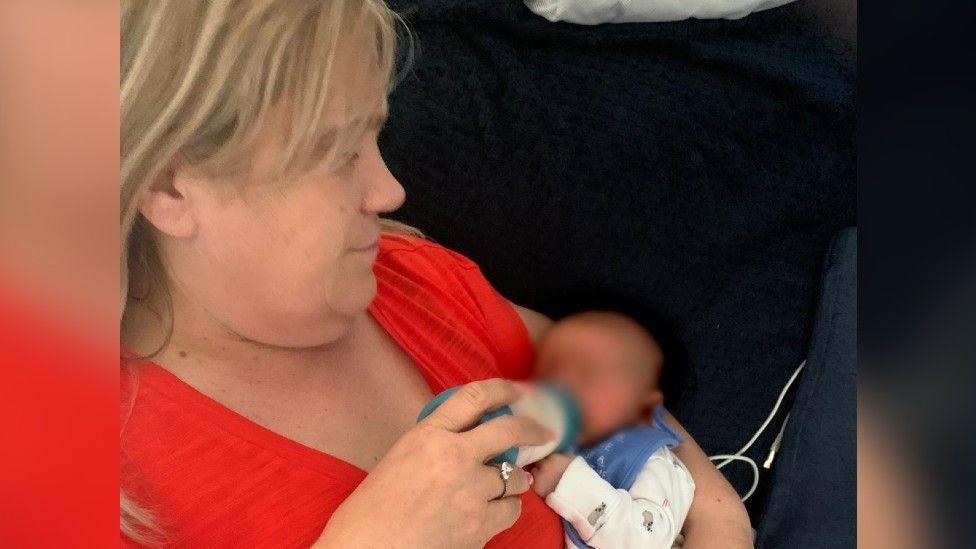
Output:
x=610 y=363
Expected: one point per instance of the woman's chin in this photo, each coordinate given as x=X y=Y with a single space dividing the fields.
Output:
x=356 y=300
x=349 y=304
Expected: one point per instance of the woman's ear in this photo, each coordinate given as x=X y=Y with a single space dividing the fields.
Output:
x=167 y=206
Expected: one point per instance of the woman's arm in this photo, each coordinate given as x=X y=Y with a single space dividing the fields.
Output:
x=717 y=517
x=536 y=323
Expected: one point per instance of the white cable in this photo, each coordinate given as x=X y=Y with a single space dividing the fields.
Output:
x=755 y=470
x=776 y=442
x=769 y=418
x=729 y=458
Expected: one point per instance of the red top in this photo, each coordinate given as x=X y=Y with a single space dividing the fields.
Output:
x=217 y=479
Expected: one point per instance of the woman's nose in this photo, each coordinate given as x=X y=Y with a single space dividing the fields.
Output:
x=384 y=193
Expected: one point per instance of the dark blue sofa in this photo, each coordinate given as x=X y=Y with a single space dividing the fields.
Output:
x=692 y=173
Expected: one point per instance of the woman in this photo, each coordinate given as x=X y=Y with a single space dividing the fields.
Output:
x=277 y=341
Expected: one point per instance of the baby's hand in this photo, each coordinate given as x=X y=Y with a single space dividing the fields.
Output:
x=548 y=471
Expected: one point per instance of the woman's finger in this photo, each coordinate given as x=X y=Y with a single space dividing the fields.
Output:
x=466 y=406
x=501 y=433
x=517 y=483
x=502 y=514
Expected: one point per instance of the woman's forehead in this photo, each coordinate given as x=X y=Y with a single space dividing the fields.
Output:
x=359 y=89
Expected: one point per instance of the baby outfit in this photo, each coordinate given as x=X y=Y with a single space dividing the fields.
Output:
x=629 y=490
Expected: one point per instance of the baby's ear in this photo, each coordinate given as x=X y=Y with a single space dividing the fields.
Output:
x=653 y=399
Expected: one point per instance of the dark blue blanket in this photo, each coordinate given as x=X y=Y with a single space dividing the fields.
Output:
x=696 y=169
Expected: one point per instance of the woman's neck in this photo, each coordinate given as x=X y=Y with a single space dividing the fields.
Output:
x=195 y=344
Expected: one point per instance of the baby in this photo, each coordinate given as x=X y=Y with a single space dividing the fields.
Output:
x=625 y=488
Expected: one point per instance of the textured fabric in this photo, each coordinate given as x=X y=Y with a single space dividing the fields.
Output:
x=813 y=503
x=216 y=479
x=695 y=169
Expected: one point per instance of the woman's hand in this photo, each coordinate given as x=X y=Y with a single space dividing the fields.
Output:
x=433 y=489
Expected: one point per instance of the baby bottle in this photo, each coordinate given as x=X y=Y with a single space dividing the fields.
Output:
x=549 y=405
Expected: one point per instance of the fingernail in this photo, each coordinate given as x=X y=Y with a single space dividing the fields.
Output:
x=553 y=435
x=529 y=477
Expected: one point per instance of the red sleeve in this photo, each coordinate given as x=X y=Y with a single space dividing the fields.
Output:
x=457 y=290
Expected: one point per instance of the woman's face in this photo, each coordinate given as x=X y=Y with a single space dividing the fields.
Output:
x=283 y=264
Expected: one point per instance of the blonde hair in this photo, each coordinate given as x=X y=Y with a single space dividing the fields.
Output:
x=198 y=79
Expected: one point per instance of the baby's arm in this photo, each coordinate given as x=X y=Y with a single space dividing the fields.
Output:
x=650 y=514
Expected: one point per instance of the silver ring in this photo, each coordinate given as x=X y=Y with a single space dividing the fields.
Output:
x=505 y=472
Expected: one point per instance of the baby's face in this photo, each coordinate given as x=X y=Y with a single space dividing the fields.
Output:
x=611 y=370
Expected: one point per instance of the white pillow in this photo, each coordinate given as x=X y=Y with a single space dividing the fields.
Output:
x=594 y=12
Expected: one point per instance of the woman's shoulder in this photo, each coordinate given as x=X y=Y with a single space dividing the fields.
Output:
x=420 y=251
x=407 y=260
x=424 y=280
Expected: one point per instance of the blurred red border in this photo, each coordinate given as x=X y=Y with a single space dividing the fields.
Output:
x=58 y=440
